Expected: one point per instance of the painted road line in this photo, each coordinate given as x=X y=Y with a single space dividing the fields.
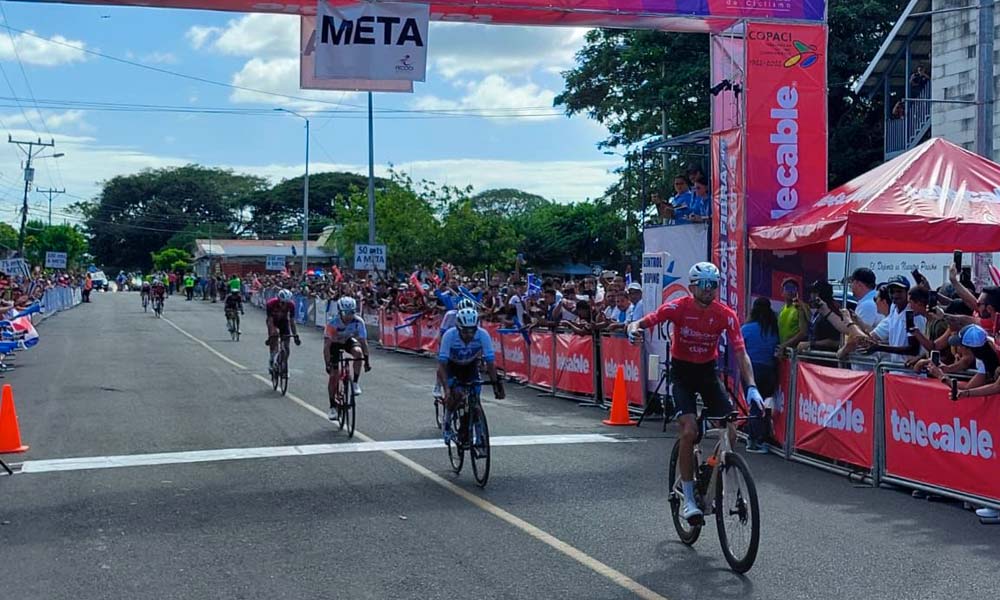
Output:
x=607 y=571
x=227 y=454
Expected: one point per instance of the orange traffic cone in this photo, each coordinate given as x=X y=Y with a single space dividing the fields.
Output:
x=619 y=402
x=10 y=434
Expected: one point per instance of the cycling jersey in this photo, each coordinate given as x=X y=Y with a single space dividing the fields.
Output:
x=158 y=290
x=696 y=330
x=145 y=288
x=454 y=350
x=233 y=302
x=339 y=331
x=278 y=310
x=448 y=321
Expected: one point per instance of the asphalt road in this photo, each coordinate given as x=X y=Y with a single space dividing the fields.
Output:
x=582 y=520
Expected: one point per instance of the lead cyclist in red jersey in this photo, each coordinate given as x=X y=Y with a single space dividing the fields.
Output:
x=280 y=313
x=698 y=322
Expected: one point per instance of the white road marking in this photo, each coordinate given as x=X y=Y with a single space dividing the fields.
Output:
x=201 y=456
x=612 y=574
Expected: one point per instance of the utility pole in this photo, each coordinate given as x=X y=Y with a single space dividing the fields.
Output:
x=31 y=150
x=984 y=81
x=371 y=172
x=50 y=192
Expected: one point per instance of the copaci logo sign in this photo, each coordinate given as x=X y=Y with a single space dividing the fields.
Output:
x=805 y=55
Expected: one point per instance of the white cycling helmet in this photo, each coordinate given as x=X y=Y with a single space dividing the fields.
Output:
x=284 y=295
x=704 y=272
x=466 y=303
x=467 y=318
x=347 y=305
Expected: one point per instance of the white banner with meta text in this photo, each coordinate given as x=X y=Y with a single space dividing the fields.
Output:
x=382 y=41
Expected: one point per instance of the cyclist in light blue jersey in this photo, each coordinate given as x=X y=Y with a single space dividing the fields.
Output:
x=448 y=322
x=345 y=332
x=462 y=349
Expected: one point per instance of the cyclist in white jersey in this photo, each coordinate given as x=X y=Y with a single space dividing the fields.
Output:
x=345 y=332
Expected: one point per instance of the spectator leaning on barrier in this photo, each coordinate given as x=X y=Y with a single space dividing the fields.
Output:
x=793 y=327
x=620 y=312
x=953 y=360
x=891 y=335
x=823 y=335
x=863 y=288
x=936 y=325
x=986 y=381
x=760 y=334
x=635 y=297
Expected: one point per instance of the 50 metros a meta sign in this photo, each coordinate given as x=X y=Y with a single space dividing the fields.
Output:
x=668 y=15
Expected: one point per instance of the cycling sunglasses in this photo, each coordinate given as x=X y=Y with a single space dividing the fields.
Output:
x=705 y=284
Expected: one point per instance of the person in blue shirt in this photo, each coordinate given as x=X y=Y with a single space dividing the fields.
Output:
x=462 y=349
x=760 y=334
x=681 y=202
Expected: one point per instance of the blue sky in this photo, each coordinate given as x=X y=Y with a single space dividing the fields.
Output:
x=471 y=68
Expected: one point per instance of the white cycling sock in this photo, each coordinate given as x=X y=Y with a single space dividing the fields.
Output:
x=688 y=491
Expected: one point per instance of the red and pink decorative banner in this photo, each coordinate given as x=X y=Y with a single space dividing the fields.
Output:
x=835 y=413
x=786 y=122
x=575 y=363
x=930 y=439
x=618 y=352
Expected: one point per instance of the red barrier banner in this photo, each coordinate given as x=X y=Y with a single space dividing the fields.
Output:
x=782 y=395
x=785 y=120
x=494 y=330
x=408 y=337
x=515 y=356
x=430 y=327
x=930 y=439
x=835 y=413
x=618 y=352
x=540 y=359
x=575 y=363
x=387 y=330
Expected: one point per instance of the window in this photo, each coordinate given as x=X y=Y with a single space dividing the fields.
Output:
x=970 y=51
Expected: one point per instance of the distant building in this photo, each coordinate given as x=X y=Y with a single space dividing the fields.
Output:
x=945 y=45
x=251 y=256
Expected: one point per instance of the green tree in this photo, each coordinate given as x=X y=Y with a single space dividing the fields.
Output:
x=629 y=80
x=405 y=223
x=169 y=258
x=506 y=202
x=41 y=238
x=477 y=240
x=277 y=212
x=584 y=232
x=185 y=238
x=8 y=237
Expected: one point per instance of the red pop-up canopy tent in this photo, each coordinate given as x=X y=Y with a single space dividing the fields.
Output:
x=937 y=197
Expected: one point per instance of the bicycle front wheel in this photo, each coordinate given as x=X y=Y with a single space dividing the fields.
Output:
x=349 y=408
x=456 y=451
x=687 y=532
x=479 y=451
x=737 y=513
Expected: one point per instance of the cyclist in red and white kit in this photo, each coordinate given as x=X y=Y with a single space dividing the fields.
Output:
x=280 y=313
x=698 y=322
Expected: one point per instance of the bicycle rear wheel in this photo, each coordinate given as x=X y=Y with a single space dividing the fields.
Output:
x=349 y=410
x=479 y=446
x=737 y=513
x=687 y=532
x=438 y=412
x=341 y=410
x=275 y=376
x=456 y=451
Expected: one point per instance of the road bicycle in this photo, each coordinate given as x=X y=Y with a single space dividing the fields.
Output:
x=471 y=432
x=279 y=365
x=723 y=487
x=346 y=401
x=145 y=303
x=233 y=325
x=158 y=307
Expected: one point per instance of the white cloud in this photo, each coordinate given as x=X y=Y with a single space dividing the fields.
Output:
x=41 y=51
x=496 y=92
x=281 y=76
x=159 y=58
x=454 y=49
x=53 y=121
x=254 y=35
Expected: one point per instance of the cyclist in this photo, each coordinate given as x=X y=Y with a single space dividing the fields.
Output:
x=447 y=322
x=234 y=302
x=345 y=332
x=698 y=322
x=280 y=312
x=158 y=291
x=235 y=285
x=144 y=292
x=462 y=348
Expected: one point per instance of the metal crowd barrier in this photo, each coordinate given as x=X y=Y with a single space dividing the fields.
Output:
x=58 y=299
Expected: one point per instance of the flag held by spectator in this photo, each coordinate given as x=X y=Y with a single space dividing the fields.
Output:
x=534 y=285
x=337 y=275
x=415 y=281
x=518 y=328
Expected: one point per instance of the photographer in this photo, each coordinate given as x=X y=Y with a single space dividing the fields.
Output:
x=893 y=334
x=823 y=335
x=950 y=362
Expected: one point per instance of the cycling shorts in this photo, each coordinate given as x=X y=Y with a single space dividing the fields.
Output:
x=337 y=350
x=283 y=326
x=689 y=379
x=462 y=374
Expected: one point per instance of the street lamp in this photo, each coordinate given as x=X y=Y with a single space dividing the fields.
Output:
x=305 y=196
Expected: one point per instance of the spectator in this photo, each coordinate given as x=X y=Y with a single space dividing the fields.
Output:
x=664 y=212
x=986 y=381
x=891 y=334
x=936 y=325
x=951 y=361
x=88 y=286
x=823 y=335
x=760 y=333
x=620 y=312
x=918 y=81
x=680 y=204
x=635 y=297
x=553 y=313
x=863 y=287
x=517 y=301
x=700 y=209
x=987 y=304
x=793 y=326
x=899 y=110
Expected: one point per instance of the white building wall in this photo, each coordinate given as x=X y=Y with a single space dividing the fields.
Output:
x=954 y=63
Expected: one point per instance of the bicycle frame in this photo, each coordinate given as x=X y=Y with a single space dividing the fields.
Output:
x=719 y=453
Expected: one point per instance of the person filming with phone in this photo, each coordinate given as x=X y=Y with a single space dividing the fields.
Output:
x=894 y=334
